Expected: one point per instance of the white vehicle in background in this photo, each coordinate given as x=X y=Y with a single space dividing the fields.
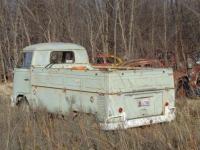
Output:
x=59 y=77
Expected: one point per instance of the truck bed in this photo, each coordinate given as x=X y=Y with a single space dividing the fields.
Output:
x=104 y=81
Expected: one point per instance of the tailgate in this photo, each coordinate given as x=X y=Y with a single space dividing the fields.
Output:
x=143 y=105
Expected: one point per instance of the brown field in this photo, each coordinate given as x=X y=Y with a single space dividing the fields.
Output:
x=20 y=130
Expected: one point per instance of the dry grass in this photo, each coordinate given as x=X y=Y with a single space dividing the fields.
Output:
x=21 y=130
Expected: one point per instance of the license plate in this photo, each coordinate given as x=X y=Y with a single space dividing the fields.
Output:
x=144 y=103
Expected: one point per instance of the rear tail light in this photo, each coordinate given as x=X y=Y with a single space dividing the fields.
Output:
x=120 y=110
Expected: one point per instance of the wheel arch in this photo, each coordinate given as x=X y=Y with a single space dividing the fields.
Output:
x=20 y=98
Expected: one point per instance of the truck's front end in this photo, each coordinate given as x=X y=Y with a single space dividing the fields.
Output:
x=22 y=75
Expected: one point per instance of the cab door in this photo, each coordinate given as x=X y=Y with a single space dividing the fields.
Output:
x=22 y=75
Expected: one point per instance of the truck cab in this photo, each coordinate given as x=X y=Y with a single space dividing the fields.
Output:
x=46 y=56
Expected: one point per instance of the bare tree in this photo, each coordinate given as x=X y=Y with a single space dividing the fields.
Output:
x=135 y=28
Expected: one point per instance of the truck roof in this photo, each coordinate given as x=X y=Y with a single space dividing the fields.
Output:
x=53 y=47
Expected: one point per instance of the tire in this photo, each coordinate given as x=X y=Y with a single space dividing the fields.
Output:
x=23 y=104
x=189 y=92
x=184 y=89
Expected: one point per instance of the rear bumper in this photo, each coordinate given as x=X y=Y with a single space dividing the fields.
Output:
x=167 y=117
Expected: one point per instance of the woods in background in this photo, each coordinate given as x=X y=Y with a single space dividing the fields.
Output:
x=126 y=28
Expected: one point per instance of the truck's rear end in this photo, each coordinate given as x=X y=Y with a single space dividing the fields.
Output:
x=138 y=97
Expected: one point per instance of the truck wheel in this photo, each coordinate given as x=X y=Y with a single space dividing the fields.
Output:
x=189 y=92
x=23 y=104
x=179 y=89
x=184 y=89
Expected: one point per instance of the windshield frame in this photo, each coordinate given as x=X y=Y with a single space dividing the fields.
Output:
x=25 y=60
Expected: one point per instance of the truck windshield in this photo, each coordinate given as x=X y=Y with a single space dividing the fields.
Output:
x=25 y=60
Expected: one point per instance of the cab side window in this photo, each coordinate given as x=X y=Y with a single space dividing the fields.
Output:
x=68 y=57
x=61 y=57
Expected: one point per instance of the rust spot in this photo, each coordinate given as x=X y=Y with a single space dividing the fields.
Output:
x=141 y=63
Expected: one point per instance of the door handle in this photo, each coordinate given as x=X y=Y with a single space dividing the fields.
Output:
x=26 y=79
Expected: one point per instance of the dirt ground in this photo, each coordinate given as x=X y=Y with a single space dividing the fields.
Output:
x=22 y=130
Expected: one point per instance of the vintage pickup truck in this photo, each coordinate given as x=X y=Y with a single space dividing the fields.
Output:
x=59 y=78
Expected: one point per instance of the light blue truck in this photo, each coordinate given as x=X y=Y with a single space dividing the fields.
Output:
x=59 y=78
